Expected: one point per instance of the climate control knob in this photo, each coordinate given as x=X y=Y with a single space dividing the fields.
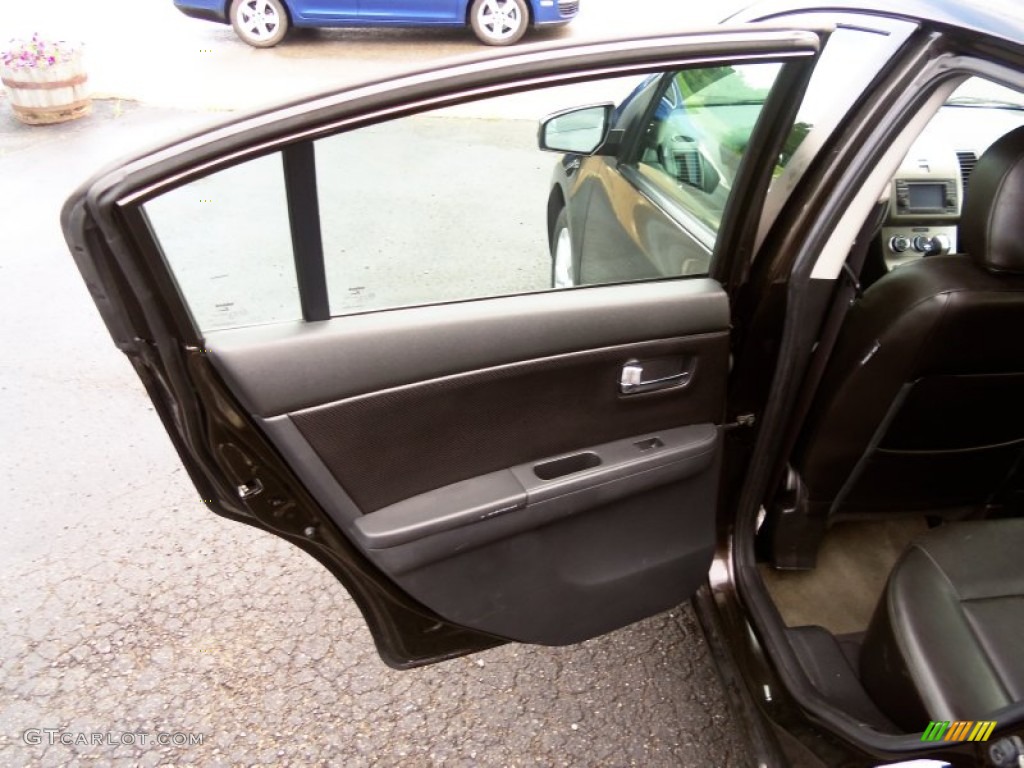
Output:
x=922 y=243
x=899 y=243
x=940 y=245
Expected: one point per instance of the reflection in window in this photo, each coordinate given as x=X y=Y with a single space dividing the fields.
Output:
x=443 y=206
x=699 y=133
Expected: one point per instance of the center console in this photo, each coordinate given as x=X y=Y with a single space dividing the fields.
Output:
x=925 y=198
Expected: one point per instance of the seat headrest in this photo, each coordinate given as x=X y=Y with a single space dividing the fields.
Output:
x=992 y=221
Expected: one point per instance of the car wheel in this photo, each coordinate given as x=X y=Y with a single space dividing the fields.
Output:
x=260 y=23
x=499 y=22
x=563 y=269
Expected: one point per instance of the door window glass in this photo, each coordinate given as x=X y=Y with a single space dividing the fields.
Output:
x=446 y=205
x=227 y=240
x=460 y=203
x=698 y=134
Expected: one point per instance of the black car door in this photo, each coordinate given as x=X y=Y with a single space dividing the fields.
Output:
x=350 y=347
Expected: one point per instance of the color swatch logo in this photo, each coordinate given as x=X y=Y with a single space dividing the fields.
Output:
x=958 y=730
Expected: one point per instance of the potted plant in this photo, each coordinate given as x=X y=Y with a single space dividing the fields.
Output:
x=44 y=80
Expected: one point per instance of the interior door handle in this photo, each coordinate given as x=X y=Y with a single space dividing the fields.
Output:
x=631 y=382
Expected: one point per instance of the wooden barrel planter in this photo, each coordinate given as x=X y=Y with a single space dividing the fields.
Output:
x=43 y=95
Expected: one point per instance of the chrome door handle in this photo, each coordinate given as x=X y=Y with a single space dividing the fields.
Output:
x=632 y=382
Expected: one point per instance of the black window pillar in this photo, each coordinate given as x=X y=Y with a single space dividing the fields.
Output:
x=304 y=221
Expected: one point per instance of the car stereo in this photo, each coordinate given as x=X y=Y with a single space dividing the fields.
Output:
x=926 y=197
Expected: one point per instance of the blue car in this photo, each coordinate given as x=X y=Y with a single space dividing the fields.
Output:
x=264 y=23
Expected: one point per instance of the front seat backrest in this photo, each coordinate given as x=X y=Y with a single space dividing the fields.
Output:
x=921 y=406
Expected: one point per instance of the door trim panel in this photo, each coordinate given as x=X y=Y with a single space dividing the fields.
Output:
x=529 y=499
x=358 y=354
x=581 y=575
x=398 y=443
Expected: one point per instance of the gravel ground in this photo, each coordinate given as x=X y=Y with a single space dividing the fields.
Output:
x=196 y=625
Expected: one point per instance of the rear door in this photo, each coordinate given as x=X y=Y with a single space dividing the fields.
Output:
x=341 y=312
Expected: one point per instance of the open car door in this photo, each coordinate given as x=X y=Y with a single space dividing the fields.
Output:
x=475 y=461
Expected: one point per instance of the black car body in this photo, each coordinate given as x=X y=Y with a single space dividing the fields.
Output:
x=544 y=466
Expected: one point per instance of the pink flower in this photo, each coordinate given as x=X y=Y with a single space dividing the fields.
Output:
x=36 y=52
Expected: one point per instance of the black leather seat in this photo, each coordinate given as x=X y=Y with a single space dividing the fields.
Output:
x=921 y=406
x=945 y=641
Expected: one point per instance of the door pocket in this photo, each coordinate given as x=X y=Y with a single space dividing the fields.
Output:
x=567 y=465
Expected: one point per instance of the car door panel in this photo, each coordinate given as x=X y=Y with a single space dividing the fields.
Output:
x=611 y=245
x=587 y=574
x=524 y=454
x=366 y=353
x=496 y=418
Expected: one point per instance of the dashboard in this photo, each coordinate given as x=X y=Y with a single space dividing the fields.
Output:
x=925 y=196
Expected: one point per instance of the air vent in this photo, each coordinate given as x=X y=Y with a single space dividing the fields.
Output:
x=689 y=169
x=967 y=162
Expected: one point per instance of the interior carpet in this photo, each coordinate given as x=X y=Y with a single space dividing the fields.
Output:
x=853 y=565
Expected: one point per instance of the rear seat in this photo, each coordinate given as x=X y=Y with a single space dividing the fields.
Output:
x=947 y=639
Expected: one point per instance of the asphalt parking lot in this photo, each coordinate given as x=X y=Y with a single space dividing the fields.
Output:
x=129 y=611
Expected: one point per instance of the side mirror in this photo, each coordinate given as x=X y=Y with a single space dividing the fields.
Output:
x=581 y=130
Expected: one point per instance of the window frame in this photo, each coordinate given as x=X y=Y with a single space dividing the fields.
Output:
x=276 y=130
